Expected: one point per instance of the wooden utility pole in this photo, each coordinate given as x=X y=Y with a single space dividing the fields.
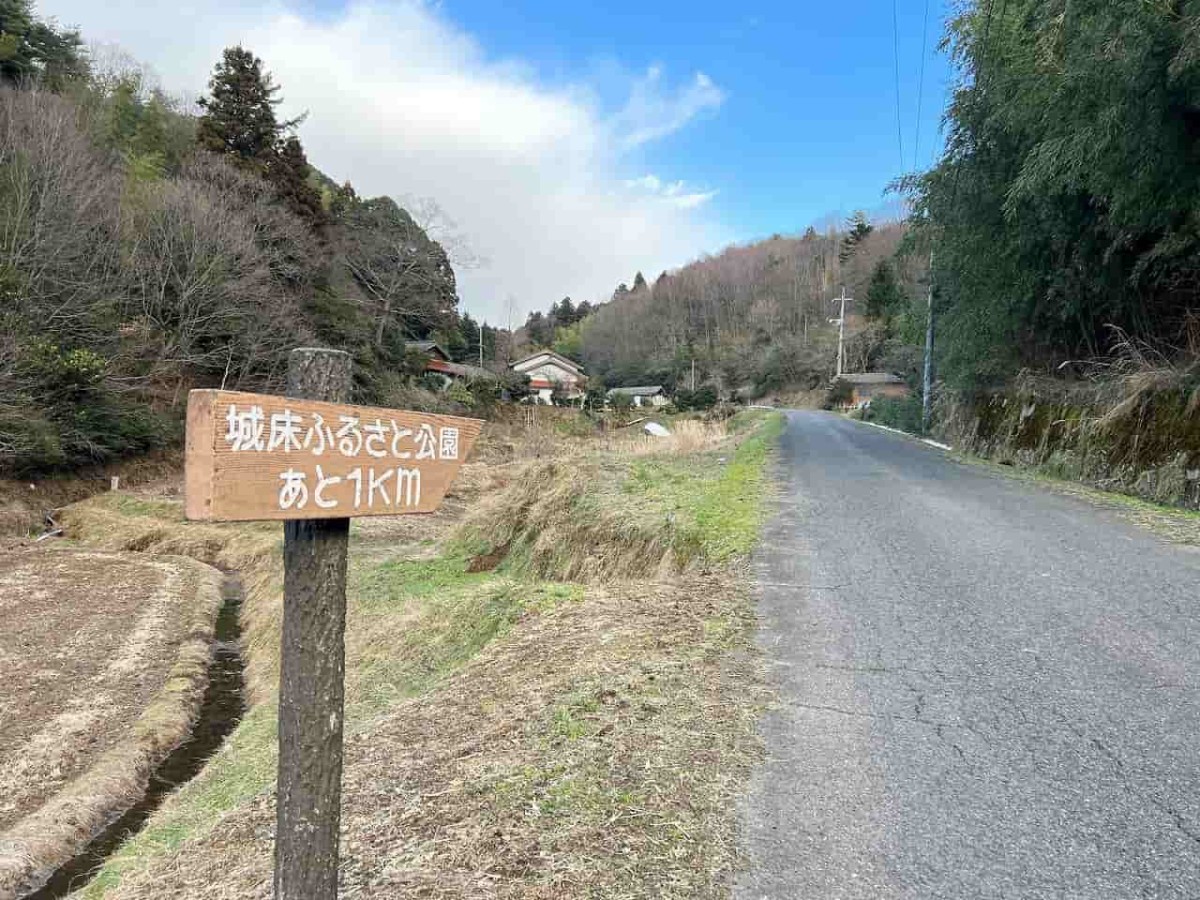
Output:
x=841 y=357
x=312 y=670
x=927 y=375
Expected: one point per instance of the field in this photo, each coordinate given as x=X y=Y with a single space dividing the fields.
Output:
x=562 y=707
x=104 y=659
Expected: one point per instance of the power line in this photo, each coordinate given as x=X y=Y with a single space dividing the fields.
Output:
x=896 y=58
x=920 y=82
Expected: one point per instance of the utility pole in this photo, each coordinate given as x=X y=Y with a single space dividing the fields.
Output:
x=927 y=377
x=841 y=357
x=481 y=343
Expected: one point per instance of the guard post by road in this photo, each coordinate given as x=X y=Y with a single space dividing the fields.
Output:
x=314 y=462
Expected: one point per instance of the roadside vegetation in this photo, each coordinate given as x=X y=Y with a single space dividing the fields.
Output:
x=565 y=708
x=633 y=509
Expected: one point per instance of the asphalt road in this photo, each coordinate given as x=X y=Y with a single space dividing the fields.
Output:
x=986 y=689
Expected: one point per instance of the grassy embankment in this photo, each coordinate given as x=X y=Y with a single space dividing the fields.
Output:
x=1030 y=456
x=530 y=712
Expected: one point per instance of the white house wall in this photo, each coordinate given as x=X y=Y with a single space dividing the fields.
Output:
x=550 y=372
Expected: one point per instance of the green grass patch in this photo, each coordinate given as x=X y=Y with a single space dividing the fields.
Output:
x=129 y=505
x=244 y=768
x=715 y=502
x=746 y=419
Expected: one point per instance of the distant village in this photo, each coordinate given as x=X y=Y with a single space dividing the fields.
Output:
x=556 y=379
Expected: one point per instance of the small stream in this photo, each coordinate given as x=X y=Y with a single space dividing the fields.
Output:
x=221 y=709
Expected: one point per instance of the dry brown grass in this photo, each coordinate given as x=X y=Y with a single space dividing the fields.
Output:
x=552 y=521
x=687 y=436
x=507 y=737
x=597 y=750
x=634 y=507
x=93 y=758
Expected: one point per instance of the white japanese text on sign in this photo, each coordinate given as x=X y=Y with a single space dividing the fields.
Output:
x=321 y=460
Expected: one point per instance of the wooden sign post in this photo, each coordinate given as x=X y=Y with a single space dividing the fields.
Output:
x=314 y=462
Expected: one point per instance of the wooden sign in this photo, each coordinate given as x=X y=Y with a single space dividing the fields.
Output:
x=255 y=456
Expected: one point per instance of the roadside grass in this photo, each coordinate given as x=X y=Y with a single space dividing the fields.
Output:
x=1173 y=524
x=510 y=732
x=629 y=515
x=1176 y=525
x=718 y=501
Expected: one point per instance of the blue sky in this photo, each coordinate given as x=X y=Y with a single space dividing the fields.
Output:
x=561 y=147
x=808 y=124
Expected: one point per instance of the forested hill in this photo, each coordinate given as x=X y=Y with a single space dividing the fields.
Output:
x=1062 y=220
x=146 y=249
x=756 y=318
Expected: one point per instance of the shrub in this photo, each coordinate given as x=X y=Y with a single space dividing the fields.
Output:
x=514 y=386
x=840 y=393
x=461 y=393
x=897 y=412
x=66 y=414
x=431 y=381
x=702 y=398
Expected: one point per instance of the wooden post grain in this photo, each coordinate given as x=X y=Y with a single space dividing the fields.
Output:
x=312 y=671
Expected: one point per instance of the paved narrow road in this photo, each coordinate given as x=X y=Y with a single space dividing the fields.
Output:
x=986 y=689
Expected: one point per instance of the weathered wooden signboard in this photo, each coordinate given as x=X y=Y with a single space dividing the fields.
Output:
x=255 y=456
x=316 y=465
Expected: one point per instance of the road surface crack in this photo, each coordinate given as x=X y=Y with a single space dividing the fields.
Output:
x=1177 y=818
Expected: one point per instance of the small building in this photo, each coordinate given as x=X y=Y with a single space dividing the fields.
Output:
x=432 y=349
x=653 y=395
x=867 y=386
x=548 y=370
x=438 y=362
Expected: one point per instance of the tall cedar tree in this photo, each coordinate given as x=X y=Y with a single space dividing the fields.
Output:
x=288 y=171
x=885 y=295
x=239 y=122
x=859 y=228
x=239 y=116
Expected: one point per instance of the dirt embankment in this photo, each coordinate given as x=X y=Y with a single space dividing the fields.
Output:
x=25 y=503
x=104 y=658
x=1138 y=435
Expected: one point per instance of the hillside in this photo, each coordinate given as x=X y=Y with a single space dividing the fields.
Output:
x=146 y=249
x=755 y=319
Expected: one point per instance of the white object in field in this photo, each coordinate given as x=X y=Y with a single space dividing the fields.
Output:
x=114 y=483
x=655 y=430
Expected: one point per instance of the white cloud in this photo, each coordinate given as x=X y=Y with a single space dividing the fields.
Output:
x=402 y=101
x=674 y=193
x=654 y=111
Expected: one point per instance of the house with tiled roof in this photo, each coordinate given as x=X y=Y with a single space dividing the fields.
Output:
x=438 y=361
x=547 y=371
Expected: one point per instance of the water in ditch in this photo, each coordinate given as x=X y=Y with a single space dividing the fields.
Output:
x=222 y=707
